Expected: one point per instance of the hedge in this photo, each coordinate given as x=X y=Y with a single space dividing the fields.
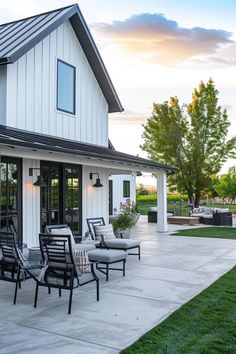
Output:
x=153 y=197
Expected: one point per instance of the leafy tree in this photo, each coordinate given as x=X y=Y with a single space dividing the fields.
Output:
x=192 y=137
x=226 y=185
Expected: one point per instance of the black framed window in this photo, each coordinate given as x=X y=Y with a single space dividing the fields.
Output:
x=11 y=196
x=126 y=188
x=65 y=87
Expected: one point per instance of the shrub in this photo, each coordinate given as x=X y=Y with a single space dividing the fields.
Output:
x=122 y=221
x=153 y=198
x=125 y=218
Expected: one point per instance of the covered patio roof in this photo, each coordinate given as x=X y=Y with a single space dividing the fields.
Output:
x=11 y=137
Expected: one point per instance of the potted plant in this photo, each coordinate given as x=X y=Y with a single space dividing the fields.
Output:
x=125 y=219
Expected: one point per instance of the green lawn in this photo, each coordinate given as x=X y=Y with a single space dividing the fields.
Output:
x=204 y=325
x=214 y=232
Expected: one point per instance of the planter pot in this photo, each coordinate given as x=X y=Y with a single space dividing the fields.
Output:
x=125 y=233
x=136 y=217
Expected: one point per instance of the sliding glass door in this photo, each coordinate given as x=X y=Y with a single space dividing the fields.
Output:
x=50 y=194
x=61 y=195
x=11 y=196
x=72 y=197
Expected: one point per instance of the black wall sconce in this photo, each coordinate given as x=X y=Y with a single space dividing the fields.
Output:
x=39 y=182
x=98 y=183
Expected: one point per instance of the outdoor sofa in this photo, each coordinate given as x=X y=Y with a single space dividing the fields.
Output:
x=213 y=216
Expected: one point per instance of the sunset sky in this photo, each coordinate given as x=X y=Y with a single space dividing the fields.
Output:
x=153 y=50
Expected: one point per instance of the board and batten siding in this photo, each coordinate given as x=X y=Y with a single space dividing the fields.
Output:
x=3 y=81
x=31 y=91
x=95 y=200
x=117 y=187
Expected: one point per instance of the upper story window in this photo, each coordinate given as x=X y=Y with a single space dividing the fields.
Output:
x=65 y=87
x=126 y=188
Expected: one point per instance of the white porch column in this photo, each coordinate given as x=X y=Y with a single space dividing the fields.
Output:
x=162 y=225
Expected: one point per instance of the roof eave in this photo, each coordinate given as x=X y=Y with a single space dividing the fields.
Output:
x=5 y=60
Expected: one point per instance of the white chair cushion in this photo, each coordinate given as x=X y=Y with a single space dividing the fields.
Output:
x=105 y=231
x=64 y=231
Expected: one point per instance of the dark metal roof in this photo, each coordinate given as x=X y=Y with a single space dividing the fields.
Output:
x=21 y=138
x=110 y=145
x=17 y=38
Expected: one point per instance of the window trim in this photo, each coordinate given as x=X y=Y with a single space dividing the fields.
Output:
x=74 y=88
x=125 y=194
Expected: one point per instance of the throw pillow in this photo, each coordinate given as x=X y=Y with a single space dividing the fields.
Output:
x=105 y=231
x=82 y=261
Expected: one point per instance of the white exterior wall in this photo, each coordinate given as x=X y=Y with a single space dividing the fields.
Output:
x=117 y=195
x=3 y=80
x=31 y=91
x=94 y=200
x=30 y=204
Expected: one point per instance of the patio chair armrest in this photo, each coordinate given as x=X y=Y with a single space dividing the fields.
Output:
x=32 y=266
x=120 y=233
x=103 y=242
x=78 y=237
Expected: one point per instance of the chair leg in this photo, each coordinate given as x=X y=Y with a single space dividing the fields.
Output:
x=70 y=301
x=124 y=261
x=139 y=253
x=17 y=283
x=36 y=295
x=49 y=290
x=60 y=292
x=107 y=272
x=97 y=288
x=71 y=290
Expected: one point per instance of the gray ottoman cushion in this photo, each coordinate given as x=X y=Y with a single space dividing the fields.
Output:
x=84 y=246
x=106 y=256
x=122 y=243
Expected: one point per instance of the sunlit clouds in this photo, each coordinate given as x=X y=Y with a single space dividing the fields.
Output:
x=155 y=38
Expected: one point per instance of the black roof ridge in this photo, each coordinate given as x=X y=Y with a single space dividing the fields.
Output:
x=40 y=14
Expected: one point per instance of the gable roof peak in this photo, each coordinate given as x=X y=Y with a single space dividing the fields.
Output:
x=18 y=37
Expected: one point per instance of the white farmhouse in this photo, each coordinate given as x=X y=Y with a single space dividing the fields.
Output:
x=55 y=96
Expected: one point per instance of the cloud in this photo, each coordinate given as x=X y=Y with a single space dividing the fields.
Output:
x=128 y=117
x=155 y=38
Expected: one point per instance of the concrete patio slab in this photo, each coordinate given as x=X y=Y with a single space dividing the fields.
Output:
x=28 y=340
x=104 y=323
x=172 y=270
x=218 y=265
x=175 y=275
x=168 y=260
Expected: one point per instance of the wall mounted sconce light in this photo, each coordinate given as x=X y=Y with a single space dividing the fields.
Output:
x=39 y=182
x=98 y=183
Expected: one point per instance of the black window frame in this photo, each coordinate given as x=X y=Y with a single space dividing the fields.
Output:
x=126 y=187
x=74 y=87
x=62 y=192
x=18 y=162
